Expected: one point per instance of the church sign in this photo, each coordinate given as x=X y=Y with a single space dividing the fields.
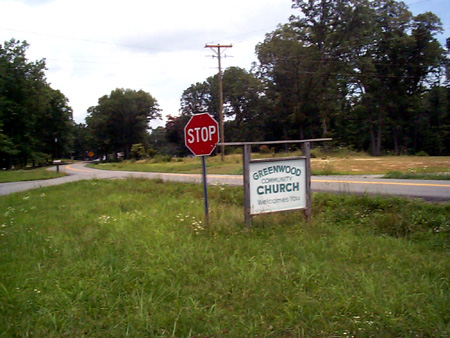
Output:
x=277 y=185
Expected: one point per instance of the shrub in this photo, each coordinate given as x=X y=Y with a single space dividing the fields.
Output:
x=162 y=158
x=138 y=151
x=151 y=152
x=265 y=149
x=422 y=153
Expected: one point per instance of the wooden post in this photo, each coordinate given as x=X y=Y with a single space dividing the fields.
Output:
x=246 y=156
x=221 y=129
x=306 y=149
x=58 y=163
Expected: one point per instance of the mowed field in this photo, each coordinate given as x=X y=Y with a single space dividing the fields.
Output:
x=134 y=258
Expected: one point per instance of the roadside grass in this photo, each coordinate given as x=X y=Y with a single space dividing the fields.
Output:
x=188 y=165
x=133 y=258
x=323 y=164
x=418 y=175
x=28 y=175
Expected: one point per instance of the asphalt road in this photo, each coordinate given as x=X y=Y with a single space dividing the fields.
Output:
x=428 y=190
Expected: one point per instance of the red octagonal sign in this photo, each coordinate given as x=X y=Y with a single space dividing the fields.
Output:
x=201 y=134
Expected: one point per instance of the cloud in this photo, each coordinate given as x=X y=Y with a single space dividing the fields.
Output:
x=34 y=3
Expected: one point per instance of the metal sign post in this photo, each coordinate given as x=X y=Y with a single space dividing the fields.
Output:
x=201 y=135
x=205 y=190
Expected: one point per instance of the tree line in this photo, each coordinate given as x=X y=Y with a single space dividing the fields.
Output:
x=36 y=122
x=369 y=74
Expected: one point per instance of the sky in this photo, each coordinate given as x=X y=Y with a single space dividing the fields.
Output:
x=92 y=47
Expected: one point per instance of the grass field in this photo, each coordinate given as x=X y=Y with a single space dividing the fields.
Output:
x=323 y=164
x=28 y=175
x=133 y=258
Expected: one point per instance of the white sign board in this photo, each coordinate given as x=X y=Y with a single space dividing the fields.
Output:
x=277 y=185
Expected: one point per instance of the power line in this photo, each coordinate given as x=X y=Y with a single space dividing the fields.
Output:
x=419 y=2
x=83 y=40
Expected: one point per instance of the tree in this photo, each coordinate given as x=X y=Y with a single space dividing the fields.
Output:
x=138 y=151
x=366 y=72
x=175 y=135
x=121 y=120
x=327 y=27
x=432 y=123
x=350 y=67
x=200 y=98
x=54 y=128
x=32 y=114
x=242 y=93
x=288 y=70
x=393 y=69
x=82 y=143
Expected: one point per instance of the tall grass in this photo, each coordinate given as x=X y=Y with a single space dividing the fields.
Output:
x=134 y=258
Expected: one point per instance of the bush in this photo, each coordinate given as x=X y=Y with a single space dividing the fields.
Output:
x=138 y=151
x=162 y=158
x=265 y=149
x=422 y=153
x=233 y=150
x=151 y=152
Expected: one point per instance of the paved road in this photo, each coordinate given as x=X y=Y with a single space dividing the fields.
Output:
x=429 y=190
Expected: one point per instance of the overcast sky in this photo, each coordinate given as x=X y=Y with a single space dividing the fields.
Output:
x=92 y=47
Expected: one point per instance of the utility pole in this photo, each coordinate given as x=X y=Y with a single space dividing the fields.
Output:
x=217 y=51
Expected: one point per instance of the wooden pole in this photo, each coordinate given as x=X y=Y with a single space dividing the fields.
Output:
x=246 y=156
x=306 y=149
x=221 y=128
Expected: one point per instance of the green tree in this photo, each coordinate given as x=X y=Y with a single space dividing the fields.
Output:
x=243 y=96
x=82 y=144
x=393 y=70
x=288 y=70
x=175 y=135
x=138 y=151
x=121 y=120
x=200 y=98
x=242 y=93
x=432 y=123
x=54 y=128
x=32 y=114
x=327 y=27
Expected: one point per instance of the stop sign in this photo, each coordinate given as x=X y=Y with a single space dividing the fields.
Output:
x=201 y=134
